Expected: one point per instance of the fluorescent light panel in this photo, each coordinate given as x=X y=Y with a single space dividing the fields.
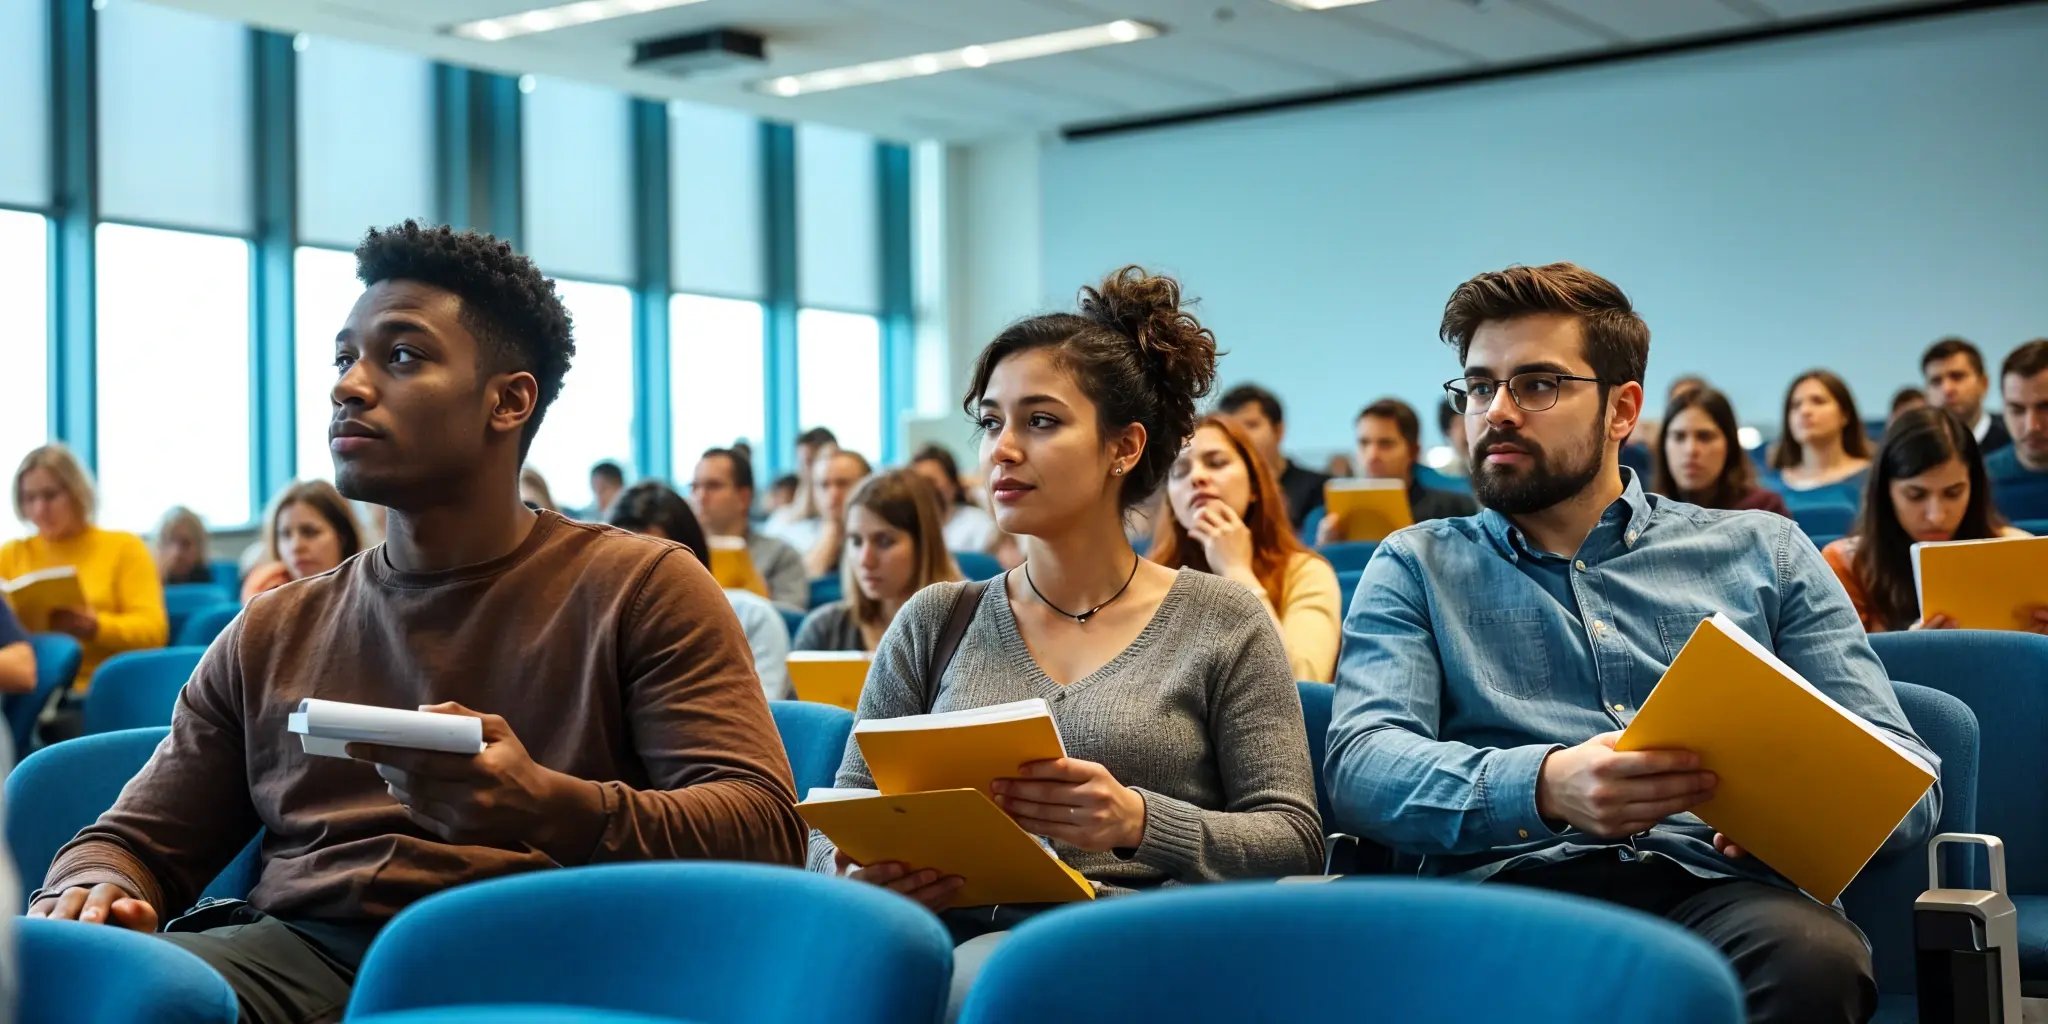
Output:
x=548 y=19
x=978 y=56
x=1320 y=5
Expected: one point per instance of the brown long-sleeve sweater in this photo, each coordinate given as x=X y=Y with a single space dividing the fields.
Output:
x=613 y=657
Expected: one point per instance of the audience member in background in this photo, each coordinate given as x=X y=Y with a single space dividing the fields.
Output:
x=1491 y=662
x=652 y=508
x=308 y=530
x=607 y=479
x=1186 y=756
x=1339 y=467
x=1905 y=400
x=2019 y=471
x=811 y=445
x=895 y=547
x=968 y=526
x=533 y=490
x=723 y=488
x=1702 y=461
x=1228 y=518
x=17 y=658
x=620 y=713
x=1927 y=485
x=1389 y=437
x=124 y=600
x=822 y=538
x=781 y=494
x=1451 y=425
x=1956 y=381
x=1822 y=452
x=181 y=548
x=1258 y=411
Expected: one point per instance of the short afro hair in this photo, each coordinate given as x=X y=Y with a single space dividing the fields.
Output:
x=507 y=302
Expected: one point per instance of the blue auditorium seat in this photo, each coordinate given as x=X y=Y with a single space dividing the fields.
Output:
x=137 y=689
x=709 y=942
x=2003 y=677
x=1370 y=950
x=57 y=660
x=814 y=735
x=84 y=974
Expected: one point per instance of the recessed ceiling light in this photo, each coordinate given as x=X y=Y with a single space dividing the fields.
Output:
x=1320 y=5
x=977 y=56
x=548 y=19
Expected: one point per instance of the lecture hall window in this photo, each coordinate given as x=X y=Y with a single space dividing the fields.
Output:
x=325 y=289
x=839 y=377
x=173 y=374
x=592 y=420
x=24 y=333
x=717 y=394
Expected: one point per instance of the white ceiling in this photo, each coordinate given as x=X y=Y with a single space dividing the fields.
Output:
x=1213 y=52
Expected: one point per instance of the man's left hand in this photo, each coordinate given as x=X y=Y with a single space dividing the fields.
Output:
x=499 y=797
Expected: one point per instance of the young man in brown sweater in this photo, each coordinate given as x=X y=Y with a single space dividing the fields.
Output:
x=621 y=714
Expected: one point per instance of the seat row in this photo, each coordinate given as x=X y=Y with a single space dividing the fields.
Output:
x=1978 y=698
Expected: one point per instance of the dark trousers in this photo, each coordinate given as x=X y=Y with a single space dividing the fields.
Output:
x=1799 y=961
x=298 y=973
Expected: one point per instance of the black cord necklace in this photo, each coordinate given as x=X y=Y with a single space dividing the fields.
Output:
x=1090 y=613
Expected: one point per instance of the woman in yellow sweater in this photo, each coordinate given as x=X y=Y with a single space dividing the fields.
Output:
x=1226 y=516
x=124 y=601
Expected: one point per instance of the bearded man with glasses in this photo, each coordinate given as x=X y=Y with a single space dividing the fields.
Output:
x=1490 y=662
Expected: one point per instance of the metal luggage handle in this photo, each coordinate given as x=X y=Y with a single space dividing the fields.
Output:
x=1994 y=851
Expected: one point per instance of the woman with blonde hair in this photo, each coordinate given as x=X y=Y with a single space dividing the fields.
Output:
x=1226 y=516
x=895 y=547
x=307 y=530
x=124 y=600
x=181 y=555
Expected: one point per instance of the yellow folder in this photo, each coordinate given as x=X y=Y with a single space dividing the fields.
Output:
x=1983 y=584
x=829 y=677
x=954 y=832
x=1806 y=786
x=958 y=749
x=732 y=565
x=1367 y=509
x=35 y=595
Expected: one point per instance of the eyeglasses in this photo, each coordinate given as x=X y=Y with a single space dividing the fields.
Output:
x=1532 y=392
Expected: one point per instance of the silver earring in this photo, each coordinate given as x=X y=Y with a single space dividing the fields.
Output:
x=1119 y=471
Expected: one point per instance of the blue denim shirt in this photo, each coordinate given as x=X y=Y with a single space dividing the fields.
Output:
x=1469 y=657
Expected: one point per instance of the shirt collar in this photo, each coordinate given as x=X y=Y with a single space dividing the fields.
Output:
x=1631 y=511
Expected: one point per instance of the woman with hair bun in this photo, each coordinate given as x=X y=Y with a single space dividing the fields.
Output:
x=1186 y=756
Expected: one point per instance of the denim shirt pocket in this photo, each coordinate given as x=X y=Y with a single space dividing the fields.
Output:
x=1675 y=628
x=1522 y=667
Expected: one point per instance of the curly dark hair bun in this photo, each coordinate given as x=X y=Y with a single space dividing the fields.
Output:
x=1136 y=352
x=1147 y=308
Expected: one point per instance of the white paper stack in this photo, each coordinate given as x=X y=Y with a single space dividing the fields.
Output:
x=327 y=727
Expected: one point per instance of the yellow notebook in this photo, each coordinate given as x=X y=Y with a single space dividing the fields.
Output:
x=35 y=595
x=732 y=565
x=957 y=749
x=1806 y=786
x=952 y=831
x=1983 y=584
x=1367 y=509
x=829 y=677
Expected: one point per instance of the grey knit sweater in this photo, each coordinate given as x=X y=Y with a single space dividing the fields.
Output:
x=1199 y=714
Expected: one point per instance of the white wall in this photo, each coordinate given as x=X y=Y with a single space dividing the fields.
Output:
x=1837 y=200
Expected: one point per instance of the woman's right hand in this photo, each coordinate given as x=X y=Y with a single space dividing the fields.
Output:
x=1935 y=621
x=927 y=887
x=1327 y=530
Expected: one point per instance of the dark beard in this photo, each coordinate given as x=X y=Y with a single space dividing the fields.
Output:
x=1541 y=486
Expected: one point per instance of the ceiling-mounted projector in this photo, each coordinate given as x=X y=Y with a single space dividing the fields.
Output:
x=695 y=53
